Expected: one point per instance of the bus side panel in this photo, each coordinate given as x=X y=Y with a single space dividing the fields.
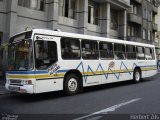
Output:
x=107 y=68
x=48 y=85
x=121 y=70
x=91 y=76
x=88 y=69
x=141 y=64
x=131 y=64
x=151 y=68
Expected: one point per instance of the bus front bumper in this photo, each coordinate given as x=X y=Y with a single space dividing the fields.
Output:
x=20 y=88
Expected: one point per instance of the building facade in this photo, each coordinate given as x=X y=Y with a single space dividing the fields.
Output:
x=158 y=33
x=105 y=18
x=131 y=20
x=141 y=21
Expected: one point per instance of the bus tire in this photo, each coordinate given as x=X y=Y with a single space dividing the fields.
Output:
x=71 y=84
x=137 y=76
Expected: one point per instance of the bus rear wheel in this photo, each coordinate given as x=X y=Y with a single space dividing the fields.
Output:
x=137 y=76
x=71 y=84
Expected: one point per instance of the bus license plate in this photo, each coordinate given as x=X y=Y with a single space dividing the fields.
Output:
x=13 y=88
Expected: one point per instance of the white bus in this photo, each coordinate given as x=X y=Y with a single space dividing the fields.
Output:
x=44 y=61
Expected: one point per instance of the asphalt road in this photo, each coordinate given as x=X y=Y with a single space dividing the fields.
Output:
x=117 y=98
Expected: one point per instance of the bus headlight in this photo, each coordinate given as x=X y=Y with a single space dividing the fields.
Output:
x=8 y=81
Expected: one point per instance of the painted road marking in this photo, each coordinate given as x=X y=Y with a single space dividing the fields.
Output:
x=110 y=109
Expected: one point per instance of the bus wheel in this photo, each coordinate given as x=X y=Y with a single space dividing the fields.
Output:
x=71 y=84
x=137 y=76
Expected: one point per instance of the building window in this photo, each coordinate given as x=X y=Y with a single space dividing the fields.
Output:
x=42 y=5
x=128 y=30
x=151 y=15
x=144 y=33
x=153 y=36
x=1 y=50
x=131 y=30
x=114 y=19
x=33 y=4
x=149 y=35
x=145 y=13
x=93 y=13
x=134 y=9
x=24 y=3
x=1 y=34
x=67 y=8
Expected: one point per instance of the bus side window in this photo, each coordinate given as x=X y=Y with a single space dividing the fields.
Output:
x=140 y=53
x=119 y=51
x=153 y=53
x=70 y=48
x=148 y=54
x=130 y=52
x=106 y=50
x=90 y=49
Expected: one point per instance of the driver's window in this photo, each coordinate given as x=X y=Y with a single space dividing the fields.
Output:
x=46 y=54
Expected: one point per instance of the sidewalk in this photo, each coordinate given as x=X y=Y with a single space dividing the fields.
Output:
x=3 y=91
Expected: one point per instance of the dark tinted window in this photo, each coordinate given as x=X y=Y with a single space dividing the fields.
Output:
x=70 y=48
x=153 y=53
x=33 y=4
x=90 y=49
x=106 y=50
x=46 y=54
x=140 y=53
x=119 y=51
x=131 y=52
x=149 y=54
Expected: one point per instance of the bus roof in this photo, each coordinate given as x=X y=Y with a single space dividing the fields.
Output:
x=82 y=36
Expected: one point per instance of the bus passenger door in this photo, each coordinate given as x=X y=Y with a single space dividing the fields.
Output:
x=46 y=63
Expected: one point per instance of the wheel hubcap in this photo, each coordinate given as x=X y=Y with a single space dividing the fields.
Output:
x=137 y=76
x=72 y=84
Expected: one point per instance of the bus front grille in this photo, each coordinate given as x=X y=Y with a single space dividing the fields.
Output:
x=15 y=81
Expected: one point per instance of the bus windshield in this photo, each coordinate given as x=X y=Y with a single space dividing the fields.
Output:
x=20 y=55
